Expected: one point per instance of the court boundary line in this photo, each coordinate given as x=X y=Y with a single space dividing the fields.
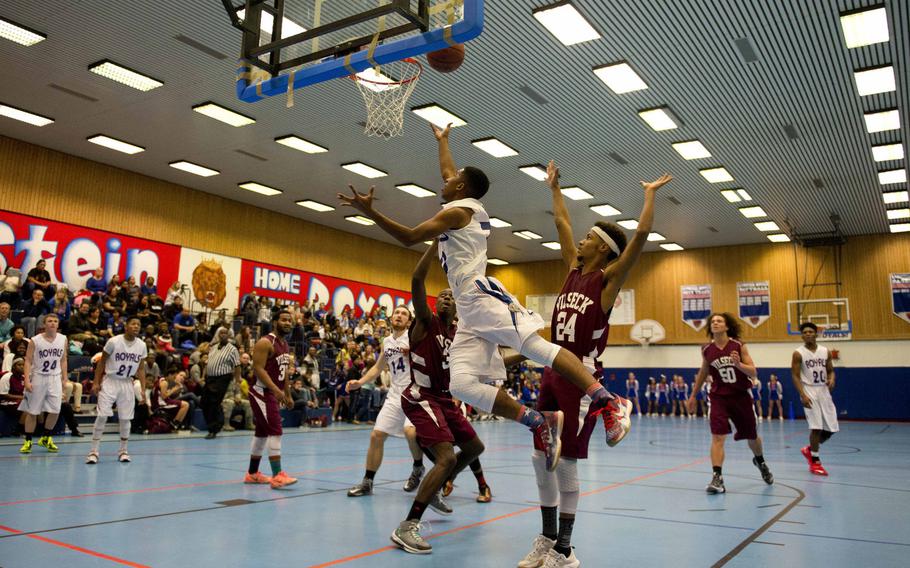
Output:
x=73 y=547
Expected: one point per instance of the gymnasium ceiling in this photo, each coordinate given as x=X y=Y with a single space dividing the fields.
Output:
x=766 y=86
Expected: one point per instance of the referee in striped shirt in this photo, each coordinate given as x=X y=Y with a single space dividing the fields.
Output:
x=223 y=366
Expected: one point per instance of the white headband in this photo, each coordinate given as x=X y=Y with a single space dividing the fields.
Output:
x=606 y=238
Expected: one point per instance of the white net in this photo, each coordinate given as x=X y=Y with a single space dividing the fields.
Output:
x=386 y=91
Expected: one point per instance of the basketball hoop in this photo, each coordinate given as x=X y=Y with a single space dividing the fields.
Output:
x=385 y=96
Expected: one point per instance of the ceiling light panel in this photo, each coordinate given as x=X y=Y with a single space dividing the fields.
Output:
x=192 y=168
x=551 y=245
x=267 y=22
x=259 y=188
x=865 y=27
x=892 y=176
x=576 y=193
x=114 y=144
x=899 y=227
x=415 y=190
x=124 y=75
x=364 y=170
x=895 y=197
x=360 y=220
x=898 y=213
x=497 y=261
x=527 y=235
x=606 y=210
x=495 y=148
x=882 y=121
x=620 y=78
x=753 y=212
x=222 y=114
x=779 y=238
x=499 y=223
x=438 y=116
x=692 y=150
x=731 y=195
x=874 y=81
x=300 y=144
x=671 y=246
x=767 y=226
x=315 y=205
x=888 y=152
x=536 y=171
x=654 y=237
x=630 y=224
x=658 y=118
x=19 y=34
x=24 y=116
x=716 y=175
x=566 y=23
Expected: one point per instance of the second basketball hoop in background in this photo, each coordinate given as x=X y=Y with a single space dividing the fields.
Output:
x=448 y=59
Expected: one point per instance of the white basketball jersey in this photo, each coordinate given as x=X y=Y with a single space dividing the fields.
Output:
x=463 y=252
x=813 y=370
x=123 y=357
x=397 y=355
x=47 y=355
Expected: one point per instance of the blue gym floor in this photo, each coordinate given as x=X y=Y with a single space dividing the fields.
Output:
x=180 y=502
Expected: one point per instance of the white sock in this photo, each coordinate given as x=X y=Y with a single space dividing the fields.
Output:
x=97 y=431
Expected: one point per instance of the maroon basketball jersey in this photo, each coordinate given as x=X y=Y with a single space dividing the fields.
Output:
x=430 y=358
x=277 y=364
x=579 y=324
x=726 y=378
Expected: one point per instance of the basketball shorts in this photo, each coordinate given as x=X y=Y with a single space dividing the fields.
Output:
x=119 y=391
x=436 y=419
x=46 y=395
x=823 y=414
x=488 y=316
x=266 y=412
x=392 y=419
x=736 y=409
x=556 y=393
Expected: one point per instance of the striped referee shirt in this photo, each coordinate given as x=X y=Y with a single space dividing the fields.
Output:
x=222 y=360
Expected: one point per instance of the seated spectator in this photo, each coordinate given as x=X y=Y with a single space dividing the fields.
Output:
x=73 y=389
x=116 y=324
x=6 y=322
x=152 y=370
x=114 y=287
x=185 y=326
x=80 y=331
x=143 y=408
x=12 y=389
x=9 y=287
x=113 y=302
x=303 y=397
x=172 y=310
x=244 y=340
x=149 y=287
x=310 y=366
x=130 y=285
x=60 y=305
x=172 y=294
x=264 y=316
x=156 y=308
x=163 y=399
x=34 y=312
x=234 y=399
x=98 y=326
x=96 y=283
x=38 y=279
x=16 y=348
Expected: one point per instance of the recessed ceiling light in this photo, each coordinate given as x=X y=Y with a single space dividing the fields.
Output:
x=495 y=148
x=536 y=171
x=882 y=121
x=428 y=243
x=887 y=152
x=865 y=27
x=192 y=168
x=692 y=150
x=630 y=224
x=527 y=235
x=415 y=190
x=576 y=193
x=315 y=205
x=19 y=33
x=566 y=23
x=267 y=22
x=497 y=261
x=24 y=116
x=620 y=78
x=115 y=144
x=779 y=238
x=716 y=175
x=899 y=227
x=499 y=223
x=752 y=212
x=898 y=213
x=438 y=116
x=551 y=245
x=259 y=188
x=297 y=143
x=671 y=246
x=222 y=114
x=892 y=176
x=364 y=170
x=874 y=81
x=766 y=226
x=654 y=237
x=895 y=197
x=731 y=195
x=124 y=75
x=360 y=220
x=744 y=194
x=658 y=118
x=605 y=210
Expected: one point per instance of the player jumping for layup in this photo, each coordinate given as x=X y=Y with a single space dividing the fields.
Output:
x=489 y=315
x=730 y=366
x=598 y=265
x=813 y=376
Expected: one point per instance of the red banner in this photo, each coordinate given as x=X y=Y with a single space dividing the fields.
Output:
x=73 y=252
x=303 y=287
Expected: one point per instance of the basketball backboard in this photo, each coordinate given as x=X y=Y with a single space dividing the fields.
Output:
x=831 y=315
x=291 y=44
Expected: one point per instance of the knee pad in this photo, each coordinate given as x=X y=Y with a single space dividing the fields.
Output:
x=258 y=446
x=567 y=478
x=538 y=349
x=125 y=429
x=547 y=486
x=473 y=392
x=274 y=445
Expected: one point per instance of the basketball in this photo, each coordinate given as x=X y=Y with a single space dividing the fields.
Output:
x=448 y=59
